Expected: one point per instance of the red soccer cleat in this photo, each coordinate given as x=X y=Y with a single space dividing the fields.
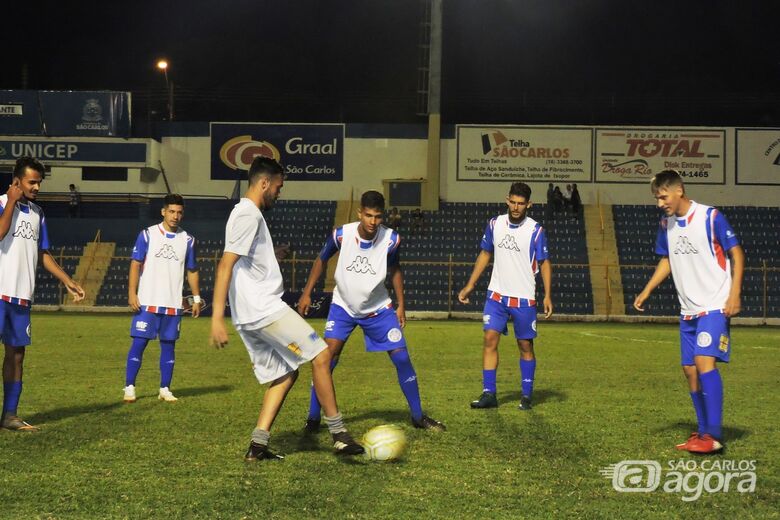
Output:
x=684 y=445
x=705 y=444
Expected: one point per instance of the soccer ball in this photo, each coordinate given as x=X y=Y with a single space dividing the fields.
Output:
x=384 y=443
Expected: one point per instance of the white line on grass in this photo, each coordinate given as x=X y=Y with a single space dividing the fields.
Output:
x=637 y=340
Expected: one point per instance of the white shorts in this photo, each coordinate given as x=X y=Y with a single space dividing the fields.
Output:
x=282 y=346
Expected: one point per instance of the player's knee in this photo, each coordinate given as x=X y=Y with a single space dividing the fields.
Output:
x=400 y=355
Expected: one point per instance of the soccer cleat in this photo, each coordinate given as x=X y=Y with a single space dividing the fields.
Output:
x=311 y=426
x=705 y=444
x=257 y=452
x=129 y=394
x=166 y=395
x=525 y=403
x=346 y=445
x=14 y=423
x=426 y=423
x=486 y=400
x=684 y=445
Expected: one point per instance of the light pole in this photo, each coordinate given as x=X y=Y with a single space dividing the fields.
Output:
x=162 y=65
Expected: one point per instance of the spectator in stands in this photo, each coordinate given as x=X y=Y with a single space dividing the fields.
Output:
x=567 y=199
x=163 y=253
x=74 y=202
x=699 y=248
x=558 y=204
x=576 y=202
x=394 y=219
x=518 y=246
x=418 y=221
x=368 y=252
x=19 y=249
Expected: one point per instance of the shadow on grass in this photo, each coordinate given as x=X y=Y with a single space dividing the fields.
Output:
x=730 y=433
x=74 y=411
x=539 y=396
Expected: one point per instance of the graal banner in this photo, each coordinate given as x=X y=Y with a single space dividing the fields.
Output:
x=758 y=156
x=521 y=153
x=634 y=155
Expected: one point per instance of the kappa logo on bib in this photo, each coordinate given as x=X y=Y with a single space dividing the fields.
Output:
x=360 y=265
x=684 y=246
x=394 y=335
x=704 y=339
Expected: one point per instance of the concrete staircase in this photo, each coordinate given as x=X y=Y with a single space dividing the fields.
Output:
x=604 y=260
x=91 y=271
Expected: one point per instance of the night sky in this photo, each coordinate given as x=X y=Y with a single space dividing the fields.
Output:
x=521 y=61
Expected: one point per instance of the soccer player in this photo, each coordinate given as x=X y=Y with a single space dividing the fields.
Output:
x=520 y=247
x=161 y=255
x=693 y=241
x=368 y=251
x=277 y=338
x=22 y=235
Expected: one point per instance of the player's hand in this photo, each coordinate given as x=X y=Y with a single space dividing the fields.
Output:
x=463 y=295
x=281 y=251
x=401 y=313
x=548 y=307
x=75 y=290
x=133 y=302
x=219 y=337
x=304 y=302
x=196 y=310
x=733 y=306
x=14 y=192
x=640 y=300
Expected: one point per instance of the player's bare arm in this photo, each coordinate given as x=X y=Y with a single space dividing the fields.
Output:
x=546 y=270
x=734 y=303
x=397 y=279
x=51 y=265
x=314 y=275
x=193 y=280
x=662 y=272
x=483 y=260
x=219 y=337
x=132 y=285
x=14 y=193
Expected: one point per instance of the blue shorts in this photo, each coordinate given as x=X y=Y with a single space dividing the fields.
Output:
x=382 y=331
x=148 y=325
x=15 y=324
x=706 y=335
x=496 y=315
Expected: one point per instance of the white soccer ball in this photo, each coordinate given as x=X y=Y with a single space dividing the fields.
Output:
x=384 y=443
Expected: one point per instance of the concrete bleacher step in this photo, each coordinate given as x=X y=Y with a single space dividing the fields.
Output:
x=604 y=261
x=91 y=270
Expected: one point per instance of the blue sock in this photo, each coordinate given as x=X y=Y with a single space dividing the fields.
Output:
x=134 y=357
x=167 y=360
x=11 y=393
x=489 y=381
x=701 y=413
x=314 y=404
x=407 y=378
x=712 y=392
x=527 y=369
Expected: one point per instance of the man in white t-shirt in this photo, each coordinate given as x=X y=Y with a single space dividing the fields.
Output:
x=519 y=245
x=277 y=339
x=700 y=250
x=23 y=235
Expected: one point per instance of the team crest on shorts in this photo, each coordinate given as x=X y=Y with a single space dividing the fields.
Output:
x=329 y=325
x=724 y=343
x=394 y=335
x=704 y=339
x=533 y=325
x=29 y=330
x=486 y=318
x=141 y=325
x=295 y=349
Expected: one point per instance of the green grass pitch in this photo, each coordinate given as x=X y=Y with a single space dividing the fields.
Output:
x=604 y=393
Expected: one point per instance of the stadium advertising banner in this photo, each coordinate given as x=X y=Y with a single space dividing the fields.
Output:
x=758 y=156
x=634 y=155
x=70 y=152
x=308 y=152
x=99 y=114
x=522 y=153
x=19 y=114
